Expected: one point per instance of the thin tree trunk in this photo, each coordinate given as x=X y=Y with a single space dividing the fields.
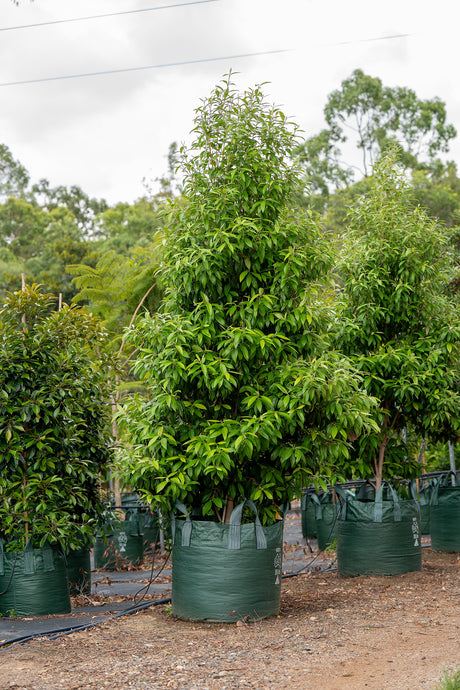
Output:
x=228 y=510
x=378 y=465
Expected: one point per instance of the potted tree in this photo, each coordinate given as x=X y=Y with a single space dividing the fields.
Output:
x=54 y=446
x=245 y=398
x=403 y=332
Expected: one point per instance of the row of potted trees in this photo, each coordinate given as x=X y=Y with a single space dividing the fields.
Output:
x=261 y=372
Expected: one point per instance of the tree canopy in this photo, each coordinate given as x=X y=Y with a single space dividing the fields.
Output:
x=245 y=399
x=371 y=117
x=399 y=323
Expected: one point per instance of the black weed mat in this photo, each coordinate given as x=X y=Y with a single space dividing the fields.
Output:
x=19 y=630
x=98 y=576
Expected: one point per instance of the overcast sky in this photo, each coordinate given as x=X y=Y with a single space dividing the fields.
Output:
x=106 y=133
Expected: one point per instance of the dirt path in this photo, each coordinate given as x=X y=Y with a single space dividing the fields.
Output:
x=334 y=633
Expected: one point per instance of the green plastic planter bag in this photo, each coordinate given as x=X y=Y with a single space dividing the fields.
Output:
x=79 y=571
x=151 y=529
x=307 y=508
x=226 y=572
x=326 y=519
x=445 y=514
x=423 y=496
x=122 y=545
x=33 y=582
x=130 y=499
x=379 y=536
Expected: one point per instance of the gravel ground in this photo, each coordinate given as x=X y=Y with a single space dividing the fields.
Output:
x=332 y=633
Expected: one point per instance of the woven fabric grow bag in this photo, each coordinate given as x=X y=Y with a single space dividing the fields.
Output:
x=122 y=545
x=226 y=572
x=307 y=511
x=33 y=582
x=79 y=571
x=445 y=514
x=423 y=496
x=425 y=509
x=325 y=518
x=151 y=529
x=379 y=536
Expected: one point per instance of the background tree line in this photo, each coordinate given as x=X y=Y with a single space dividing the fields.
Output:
x=106 y=256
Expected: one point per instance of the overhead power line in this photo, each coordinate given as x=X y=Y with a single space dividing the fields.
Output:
x=162 y=65
x=369 y=40
x=144 y=67
x=100 y=16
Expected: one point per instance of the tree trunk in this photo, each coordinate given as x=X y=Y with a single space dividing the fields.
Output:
x=227 y=510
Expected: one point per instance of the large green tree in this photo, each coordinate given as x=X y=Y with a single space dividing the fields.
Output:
x=245 y=398
x=369 y=116
x=399 y=323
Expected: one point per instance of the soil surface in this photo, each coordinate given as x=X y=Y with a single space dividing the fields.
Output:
x=332 y=633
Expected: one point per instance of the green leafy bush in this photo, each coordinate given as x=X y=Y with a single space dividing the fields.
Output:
x=54 y=444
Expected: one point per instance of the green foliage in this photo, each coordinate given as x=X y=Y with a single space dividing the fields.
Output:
x=437 y=190
x=245 y=398
x=122 y=280
x=44 y=229
x=436 y=456
x=38 y=243
x=53 y=422
x=116 y=285
x=14 y=178
x=125 y=226
x=84 y=209
x=449 y=681
x=378 y=117
x=399 y=324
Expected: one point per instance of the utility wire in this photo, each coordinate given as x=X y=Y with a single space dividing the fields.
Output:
x=100 y=16
x=181 y=63
x=145 y=67
x=369 y=40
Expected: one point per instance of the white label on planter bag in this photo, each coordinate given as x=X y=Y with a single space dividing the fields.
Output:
x=122 y=541
x=277 y=563
x=415 y=531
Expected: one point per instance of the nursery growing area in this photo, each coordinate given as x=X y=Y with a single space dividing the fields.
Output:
x=281 y=363
x=332 y=631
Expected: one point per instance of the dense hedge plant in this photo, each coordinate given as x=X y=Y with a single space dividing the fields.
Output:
x=54 y=443
x=246 y=398
x=401 y=327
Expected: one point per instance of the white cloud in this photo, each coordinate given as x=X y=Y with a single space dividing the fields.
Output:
x=106 y=133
